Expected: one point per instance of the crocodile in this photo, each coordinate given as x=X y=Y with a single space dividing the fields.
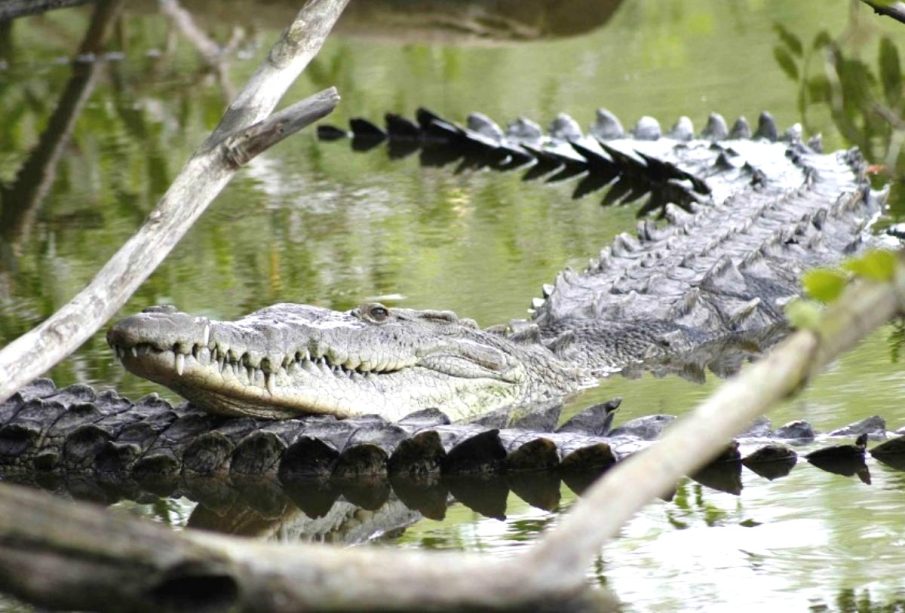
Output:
x=746 y=213
x=110 y=446
x=380 y=394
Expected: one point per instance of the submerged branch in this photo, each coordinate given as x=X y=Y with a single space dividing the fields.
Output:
x=202 y=178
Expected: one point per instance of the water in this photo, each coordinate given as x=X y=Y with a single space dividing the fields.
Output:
x=324 y=225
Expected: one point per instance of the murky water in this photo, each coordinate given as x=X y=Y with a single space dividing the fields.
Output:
x=321 y=224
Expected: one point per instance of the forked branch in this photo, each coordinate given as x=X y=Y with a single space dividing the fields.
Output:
x=202 y=178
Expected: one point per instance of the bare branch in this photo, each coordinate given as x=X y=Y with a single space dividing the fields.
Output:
x=242 y=147
x=212 y=53
x=210 y=50
x=895 y=10
x=297 y=46
x=64 y=554
x=202 y=178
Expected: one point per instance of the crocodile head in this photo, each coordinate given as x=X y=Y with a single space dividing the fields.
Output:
x=289 y=359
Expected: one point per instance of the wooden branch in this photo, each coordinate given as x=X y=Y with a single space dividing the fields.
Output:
x=239 y=149
x=70 y=555
x=297 y=46
x=895 y=10
x=701 y=436
x=202 y=178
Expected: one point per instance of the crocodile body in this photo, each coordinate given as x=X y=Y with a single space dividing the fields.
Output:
x=703 y=291
x=745 y=216
x=107 y=438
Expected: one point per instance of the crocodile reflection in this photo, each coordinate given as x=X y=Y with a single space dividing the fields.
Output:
x=357 y=510
x=350 y=503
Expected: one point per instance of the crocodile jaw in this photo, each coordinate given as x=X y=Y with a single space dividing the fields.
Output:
x=292 y=359
x=317 y=388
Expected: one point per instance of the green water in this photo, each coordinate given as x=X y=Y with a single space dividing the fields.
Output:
x=323 y=225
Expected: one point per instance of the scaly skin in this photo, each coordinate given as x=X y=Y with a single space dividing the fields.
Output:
x=706 y=291
x=290 y=359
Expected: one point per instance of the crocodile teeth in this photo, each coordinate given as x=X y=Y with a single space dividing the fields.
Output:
x=134 y=351
x=206 y=334
x=268 y=381
x=180 y=363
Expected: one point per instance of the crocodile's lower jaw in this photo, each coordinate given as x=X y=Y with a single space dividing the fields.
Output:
x=316 y=388
x=233 y=390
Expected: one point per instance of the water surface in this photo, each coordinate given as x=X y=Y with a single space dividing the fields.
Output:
x=324 y=225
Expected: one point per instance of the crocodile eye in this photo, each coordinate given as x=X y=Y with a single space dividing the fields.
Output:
x=375 y=312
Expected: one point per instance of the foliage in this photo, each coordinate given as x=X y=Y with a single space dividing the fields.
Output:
x=866 y=103
x=825 y=285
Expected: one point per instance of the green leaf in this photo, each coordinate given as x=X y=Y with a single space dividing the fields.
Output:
x=803 y=314
x=824 y=284
x=890 y=71
x=822 y=40
x=819 y=89
x=876 y=265
x=791 y=41
x=786 y=62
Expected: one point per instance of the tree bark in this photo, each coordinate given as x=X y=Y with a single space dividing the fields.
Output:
x=70 y=555
x=202 y=178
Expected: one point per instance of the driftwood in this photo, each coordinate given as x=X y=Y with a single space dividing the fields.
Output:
x=202 y=178
x=74 y=555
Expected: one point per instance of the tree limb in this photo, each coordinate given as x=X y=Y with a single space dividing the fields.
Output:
x=69 y=555
x=213 y=54
x=240 y=148
x=895 y=10
x=202 y=178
